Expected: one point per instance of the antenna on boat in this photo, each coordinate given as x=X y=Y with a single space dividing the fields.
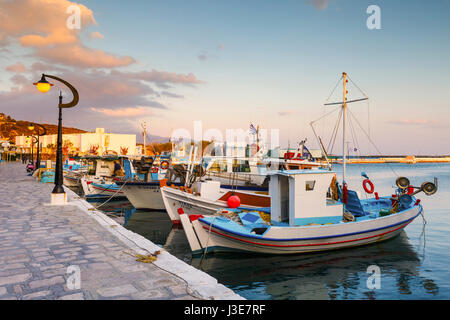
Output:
x=144 y=134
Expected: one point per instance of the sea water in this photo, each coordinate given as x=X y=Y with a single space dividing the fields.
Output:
x=413 y=265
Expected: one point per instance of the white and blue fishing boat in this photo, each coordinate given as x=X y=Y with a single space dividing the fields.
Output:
x=143 y=190
x=309 y=212
x=73 y=170
x=300 y=218
x=100 y=180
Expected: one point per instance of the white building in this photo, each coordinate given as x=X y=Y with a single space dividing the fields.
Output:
x=85 y=142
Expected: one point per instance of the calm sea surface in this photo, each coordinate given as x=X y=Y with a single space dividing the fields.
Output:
x=414 y=265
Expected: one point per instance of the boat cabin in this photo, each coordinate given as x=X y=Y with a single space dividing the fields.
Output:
x=105 y=166
x=299 y=197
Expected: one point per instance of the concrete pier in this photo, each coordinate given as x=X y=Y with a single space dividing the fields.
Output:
x=77 y=252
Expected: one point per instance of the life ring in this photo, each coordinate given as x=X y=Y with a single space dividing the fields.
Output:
x=164 y=165
x=155 y=170
x=368 y=182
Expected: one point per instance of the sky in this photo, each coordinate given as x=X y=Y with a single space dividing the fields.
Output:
x=232 y=63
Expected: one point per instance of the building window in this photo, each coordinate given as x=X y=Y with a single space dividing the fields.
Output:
x=310 y=185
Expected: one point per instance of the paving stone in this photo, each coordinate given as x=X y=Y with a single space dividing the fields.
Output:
x=117 y=291
x=38 y=243
x=46 y=282
x=36 y=295
x=15 y=279
x=74 y=296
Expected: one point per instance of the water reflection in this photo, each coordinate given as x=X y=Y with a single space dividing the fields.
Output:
x=407 y=270
x=327 y=275
x=338 y=274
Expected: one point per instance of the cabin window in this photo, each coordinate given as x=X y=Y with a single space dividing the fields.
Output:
x=241 y=166
x=310 y=185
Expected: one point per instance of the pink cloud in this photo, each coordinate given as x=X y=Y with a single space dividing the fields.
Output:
x=41 y=22
x=49 y=35
x=125 y=112
x=80 y=56
x=319 y=4
x=161 y=77
x=413 y=122
x=96 y=35
x=18 y=67
x=285 y=113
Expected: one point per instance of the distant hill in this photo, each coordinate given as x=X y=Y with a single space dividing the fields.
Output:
x=10 y=128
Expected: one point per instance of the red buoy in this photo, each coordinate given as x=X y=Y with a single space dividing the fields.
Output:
x=233 y=202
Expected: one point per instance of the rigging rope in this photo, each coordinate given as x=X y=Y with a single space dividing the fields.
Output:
x=370 y=140
x=335 y=131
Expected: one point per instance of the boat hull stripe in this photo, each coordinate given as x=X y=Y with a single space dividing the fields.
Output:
x=314 y=238
x=309 y=244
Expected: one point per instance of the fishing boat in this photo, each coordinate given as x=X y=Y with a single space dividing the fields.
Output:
x=73 y=170
x=252 y=170
x=300 y=219
x=309 y=211
x=100 y=180
x=144 y=190
x=209 y=196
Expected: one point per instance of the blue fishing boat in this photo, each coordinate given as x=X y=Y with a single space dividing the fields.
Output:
x=309 y=211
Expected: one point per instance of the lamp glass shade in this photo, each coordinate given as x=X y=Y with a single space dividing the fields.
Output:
x=31 y=127
x=43 y=87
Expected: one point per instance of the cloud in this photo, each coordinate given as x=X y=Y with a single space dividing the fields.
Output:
x=171 y=95
x=96 y=35
x=414 y=122
x=48 y=34
x=319 y=4
x=18 y=67
x=125 y=112
x=160 y=77
x=283 y=113
x=41 y=22
x=45 y=67
x=81 y=56
x=40 y=27
x=202 y=57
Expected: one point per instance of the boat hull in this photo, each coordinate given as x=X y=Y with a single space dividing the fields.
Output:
x=293 y=240
x=145 y=195
x=70 y=181
x=93 y=190
x=195 y=205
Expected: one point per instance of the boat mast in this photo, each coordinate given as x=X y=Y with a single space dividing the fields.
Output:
x=344 y=107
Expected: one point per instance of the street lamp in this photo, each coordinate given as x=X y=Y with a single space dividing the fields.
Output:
x=58 y=193
x=33 y=141
x=31 y=127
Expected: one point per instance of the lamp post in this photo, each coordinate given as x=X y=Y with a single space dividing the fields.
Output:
x=31 y=127
x=58 y=193
x=33 y=138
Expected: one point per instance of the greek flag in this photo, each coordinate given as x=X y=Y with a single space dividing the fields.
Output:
x=306 y=153
x=253 y=129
